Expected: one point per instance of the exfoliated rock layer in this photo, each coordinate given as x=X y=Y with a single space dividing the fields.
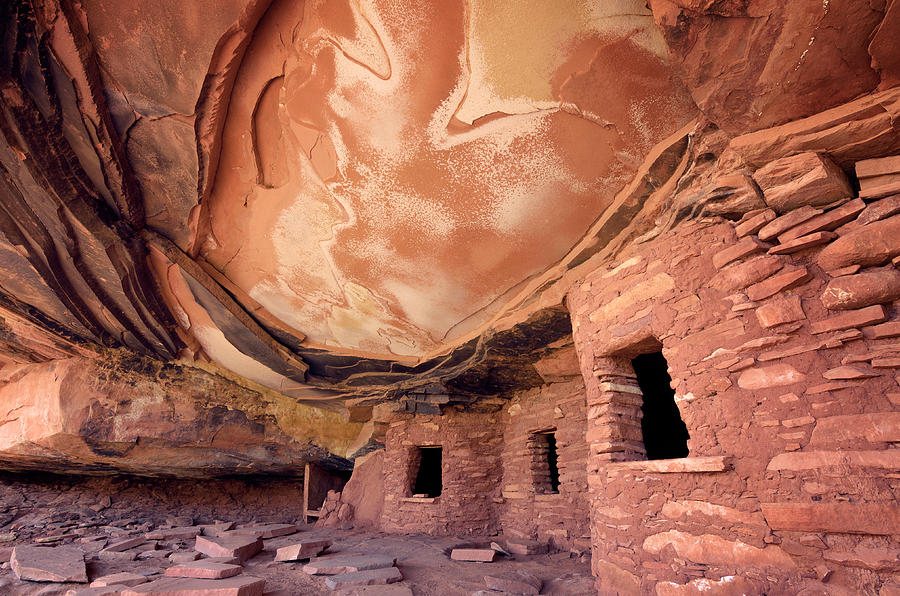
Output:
x=136 y=415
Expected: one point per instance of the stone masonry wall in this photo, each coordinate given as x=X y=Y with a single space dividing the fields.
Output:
x=470 y=474
x=558 y=518
x=782 y=337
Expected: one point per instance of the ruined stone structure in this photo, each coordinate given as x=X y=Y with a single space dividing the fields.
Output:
x=619 y=279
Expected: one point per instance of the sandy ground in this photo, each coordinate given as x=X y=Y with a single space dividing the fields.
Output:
x=87 y=512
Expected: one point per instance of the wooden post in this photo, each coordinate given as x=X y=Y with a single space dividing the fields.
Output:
x=306 y=494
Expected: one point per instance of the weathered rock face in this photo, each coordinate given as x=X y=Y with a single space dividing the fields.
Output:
x=140 y=416
x=752 y=64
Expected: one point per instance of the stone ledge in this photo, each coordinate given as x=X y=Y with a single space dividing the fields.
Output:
x=850 y=518
x=418 y=499
x=682 y=465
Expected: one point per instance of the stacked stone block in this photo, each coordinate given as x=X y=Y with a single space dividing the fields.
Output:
x=527 y=509
x=470 y=474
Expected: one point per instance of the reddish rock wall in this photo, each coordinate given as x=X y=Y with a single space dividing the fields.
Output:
x=790 y=406
x=125 y=413
x=470 y=474
x=558 y=518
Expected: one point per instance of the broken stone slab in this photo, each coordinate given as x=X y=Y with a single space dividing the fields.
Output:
x=239 y=585
x=173 y=533
x=124 y=578
x=853 y=318
x=264 y=531
x=846 y=373
x=369 y=577
x=49 y=563
x=122 y=545
x=500 y=550
x=749 y=272
x=216 y=529
x=240 y=547
x=827 y=222
x=480 y=555
x=802 y=179
x=347 y=564
x=803 y=243
x=204 y=570
x=778 y=283
x=829 y=387
x=153 y=554
x=527 y=547
x=184 y=557
x=779 y=225
x=754 y=224
x=742 y=249
x=518 y=582
x=301 y=550
x=56 y=538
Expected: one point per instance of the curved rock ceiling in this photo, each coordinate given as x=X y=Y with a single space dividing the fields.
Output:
x=390 y=170
x=334 y=195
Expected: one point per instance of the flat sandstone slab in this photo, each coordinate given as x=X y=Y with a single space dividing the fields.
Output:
x=526 y=547
x=301 y=550
x=49 y=564
x=481 y=555
x=348 y=564
x=119 y=579
x=173 y=533
x=204 y=570
x=242 y=585
x=370 y=577
x=240 y=547
x=849 y=518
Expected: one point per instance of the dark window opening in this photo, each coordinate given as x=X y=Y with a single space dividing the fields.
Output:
x=428 y=475
x=665 y=434
x=546 y=462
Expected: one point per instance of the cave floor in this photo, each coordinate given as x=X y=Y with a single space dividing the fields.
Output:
x=37 y=509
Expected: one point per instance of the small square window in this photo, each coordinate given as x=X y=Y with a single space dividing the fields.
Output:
x=544 y=462
x=425 y=468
